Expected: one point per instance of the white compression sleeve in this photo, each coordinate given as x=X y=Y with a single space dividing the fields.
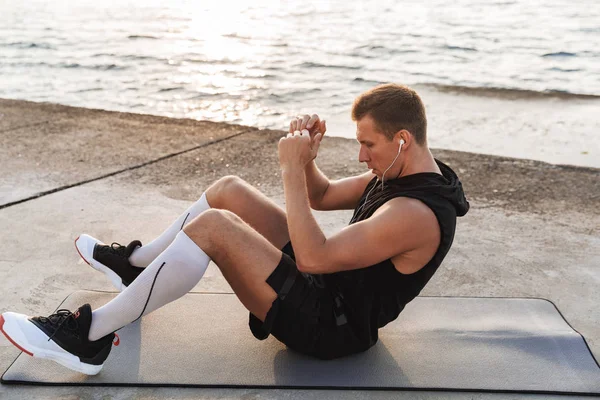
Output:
x=184 y=265
x=143 y=256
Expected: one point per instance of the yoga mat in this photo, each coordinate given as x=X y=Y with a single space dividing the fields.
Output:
x=437 y=343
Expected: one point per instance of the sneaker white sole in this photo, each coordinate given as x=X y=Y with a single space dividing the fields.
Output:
x=85 y=247
x=32 y=341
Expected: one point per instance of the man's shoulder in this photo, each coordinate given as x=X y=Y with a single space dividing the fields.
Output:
x=405 y=214
x=406 y=204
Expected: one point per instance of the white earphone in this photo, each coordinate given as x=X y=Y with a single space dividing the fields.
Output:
x=383 y=176
x=399 y=149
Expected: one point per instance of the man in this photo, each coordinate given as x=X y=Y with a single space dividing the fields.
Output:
x=324 y=297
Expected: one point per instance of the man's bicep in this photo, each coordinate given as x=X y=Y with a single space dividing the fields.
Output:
x=399 y=226
x=344 y=194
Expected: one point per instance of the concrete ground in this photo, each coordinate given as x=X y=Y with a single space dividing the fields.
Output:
x=533 y=229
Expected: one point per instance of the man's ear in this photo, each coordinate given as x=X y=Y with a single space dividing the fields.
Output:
x=404 y=135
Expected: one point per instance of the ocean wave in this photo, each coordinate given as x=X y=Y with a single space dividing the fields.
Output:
x=170 y=89
x=588 y=53
x=421 y=36
x=319 y=65
x=371 y=47
x=199 y=95
x=564 y=69
x=128 y=57
x=509 y=93
x=560 y=54
x=137 y=57
x=403 y=51
x=300 y=92
x=215 y=96
x=96 y=89
x=357 y=55
x=65 y=65
x=29 y=45
x=245 y=75
x=141 y=58
x=196 y=60
x=459 y=48
x=369 y=81
x=134 y=37
x=98 y=67
x=236 y=36
x=104 y=55
x=284 y=96
x=378 y=49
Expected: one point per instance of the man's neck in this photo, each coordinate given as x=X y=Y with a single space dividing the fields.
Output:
x=418 y=161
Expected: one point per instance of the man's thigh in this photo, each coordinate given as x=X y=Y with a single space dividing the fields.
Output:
x=244 y=256
x=257 y=210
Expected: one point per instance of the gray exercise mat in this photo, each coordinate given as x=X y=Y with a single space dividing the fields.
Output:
x=437 y=343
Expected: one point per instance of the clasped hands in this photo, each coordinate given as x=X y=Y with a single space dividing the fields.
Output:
x=301 y=145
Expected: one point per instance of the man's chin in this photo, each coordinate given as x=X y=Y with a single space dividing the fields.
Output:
x=374 y=172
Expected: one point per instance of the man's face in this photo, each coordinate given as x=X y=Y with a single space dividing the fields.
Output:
x=375 y=149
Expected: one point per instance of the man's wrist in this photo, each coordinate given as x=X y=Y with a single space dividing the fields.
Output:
x=311 y=163
x=291 y=170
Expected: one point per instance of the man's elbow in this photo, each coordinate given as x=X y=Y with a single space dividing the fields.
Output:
x=315 y=205
x=314 y=266
x=314 y=261
x=309 y=266
x=316 y=200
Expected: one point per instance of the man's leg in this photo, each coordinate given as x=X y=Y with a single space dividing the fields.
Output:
x=228 y=193
x=233 y=194
x=245 y=257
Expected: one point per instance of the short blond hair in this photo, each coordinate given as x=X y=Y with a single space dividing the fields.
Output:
x=393 y=107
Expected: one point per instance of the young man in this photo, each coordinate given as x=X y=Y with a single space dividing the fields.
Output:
x=324 y=297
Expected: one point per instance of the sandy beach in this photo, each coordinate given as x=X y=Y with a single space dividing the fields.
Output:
x=533 y=230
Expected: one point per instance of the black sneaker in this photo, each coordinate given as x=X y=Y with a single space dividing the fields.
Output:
x=113 y=260
x=61 y=337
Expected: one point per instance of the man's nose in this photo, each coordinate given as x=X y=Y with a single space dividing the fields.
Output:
x=362 y=155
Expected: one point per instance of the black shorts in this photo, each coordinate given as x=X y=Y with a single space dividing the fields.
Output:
x=307 y=315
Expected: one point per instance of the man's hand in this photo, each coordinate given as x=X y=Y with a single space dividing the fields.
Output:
x=297 y=149
x=311 y=123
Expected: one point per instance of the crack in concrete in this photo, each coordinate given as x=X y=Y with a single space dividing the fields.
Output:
x=64 y=187
x=24 y=126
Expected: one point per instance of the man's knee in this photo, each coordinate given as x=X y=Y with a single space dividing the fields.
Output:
x=211 y=229
x=211 y=220
x=227 y=187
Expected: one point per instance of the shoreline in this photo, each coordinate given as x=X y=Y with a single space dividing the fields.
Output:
x=535 y=186
x=550 y=127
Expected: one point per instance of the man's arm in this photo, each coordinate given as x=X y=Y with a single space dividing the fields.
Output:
x=317 y=184
x=399 y=226
x=324 y=194
x=342 y=194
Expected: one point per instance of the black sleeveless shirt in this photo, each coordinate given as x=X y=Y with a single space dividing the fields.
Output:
x=375 y=295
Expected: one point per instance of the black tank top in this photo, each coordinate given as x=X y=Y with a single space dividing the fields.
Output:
x=375 y=295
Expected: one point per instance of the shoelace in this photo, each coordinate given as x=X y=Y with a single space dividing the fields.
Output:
x=60 y=319
x=114 y=248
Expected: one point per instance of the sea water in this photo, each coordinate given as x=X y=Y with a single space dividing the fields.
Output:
x=261 y=63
